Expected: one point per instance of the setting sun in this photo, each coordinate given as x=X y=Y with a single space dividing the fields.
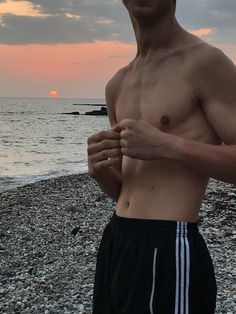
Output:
x=53 y=93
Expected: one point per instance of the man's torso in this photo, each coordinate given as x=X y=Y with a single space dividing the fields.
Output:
x=161 y=91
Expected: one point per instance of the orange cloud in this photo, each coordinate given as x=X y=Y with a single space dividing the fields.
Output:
x=103 y=20
x=73 y=16
x=24 y=8
x=201 y=31
x=19 y=8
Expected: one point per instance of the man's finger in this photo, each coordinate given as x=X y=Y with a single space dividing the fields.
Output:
x=109 y=134
x=97 y=147
x=108 y=153
x=123 y=124
x=117 y=127
x=105 y=163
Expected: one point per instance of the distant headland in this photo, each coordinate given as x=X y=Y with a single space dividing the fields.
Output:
x=101 y=112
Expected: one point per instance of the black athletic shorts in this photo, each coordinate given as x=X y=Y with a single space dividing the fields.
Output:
x=147 y=266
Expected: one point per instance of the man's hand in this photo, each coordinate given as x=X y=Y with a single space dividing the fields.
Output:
x=103 y=151
x=141 y=140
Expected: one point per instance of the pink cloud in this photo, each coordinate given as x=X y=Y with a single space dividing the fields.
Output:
x=201 y=32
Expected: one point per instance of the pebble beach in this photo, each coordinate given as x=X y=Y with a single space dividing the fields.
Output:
x=49 y=236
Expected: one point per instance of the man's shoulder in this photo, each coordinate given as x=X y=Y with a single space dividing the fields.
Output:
x=114 y=84
x=211 y=59
x=213 y=74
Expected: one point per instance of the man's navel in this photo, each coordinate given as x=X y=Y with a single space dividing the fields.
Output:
x=127 y=204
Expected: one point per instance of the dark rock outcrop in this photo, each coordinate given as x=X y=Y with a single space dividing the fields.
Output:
x=101 y=112
x=75 y=113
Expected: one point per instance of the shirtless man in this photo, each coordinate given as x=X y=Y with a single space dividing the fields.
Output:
x=172 y=112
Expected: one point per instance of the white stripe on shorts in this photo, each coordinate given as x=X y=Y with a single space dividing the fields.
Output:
x=177 y=269
x=187 y=270
x=153 y=280
x=182 y=255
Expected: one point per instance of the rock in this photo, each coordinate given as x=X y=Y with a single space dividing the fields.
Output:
x=81 y=307
x=101 y=112
x=72 y=209
x=32 y=271
x=75 y=113
x=75 y=231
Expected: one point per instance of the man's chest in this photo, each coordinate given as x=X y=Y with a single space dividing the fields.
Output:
x=165 y=100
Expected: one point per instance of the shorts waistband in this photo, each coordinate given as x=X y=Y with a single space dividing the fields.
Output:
x=133 y=225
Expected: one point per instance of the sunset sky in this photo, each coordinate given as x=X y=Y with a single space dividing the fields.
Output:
x=75 y=46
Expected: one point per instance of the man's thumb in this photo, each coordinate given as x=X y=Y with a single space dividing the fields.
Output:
x=116 y=128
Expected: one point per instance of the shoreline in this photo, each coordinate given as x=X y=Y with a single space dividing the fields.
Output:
x=11 y=183
x=50 y=231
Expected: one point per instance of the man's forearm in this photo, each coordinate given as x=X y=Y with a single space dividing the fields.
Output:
x=109 y=181
x=217 y=161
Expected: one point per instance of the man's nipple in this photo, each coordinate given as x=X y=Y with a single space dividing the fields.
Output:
x=165 y=121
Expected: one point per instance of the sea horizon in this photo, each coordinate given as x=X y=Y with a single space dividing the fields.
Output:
x=50 y=97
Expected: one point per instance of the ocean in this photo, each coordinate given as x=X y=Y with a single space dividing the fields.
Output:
x=38 y=141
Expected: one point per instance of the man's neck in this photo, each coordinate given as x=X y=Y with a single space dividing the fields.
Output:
x=159 y=36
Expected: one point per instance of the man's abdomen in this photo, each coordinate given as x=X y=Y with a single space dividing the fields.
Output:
x=160 y=190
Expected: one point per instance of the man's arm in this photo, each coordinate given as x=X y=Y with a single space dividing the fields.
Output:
x=215 y=82
x=109 y=178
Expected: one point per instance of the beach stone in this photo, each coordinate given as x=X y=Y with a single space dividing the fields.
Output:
x=72 y=209
x=75 y=231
